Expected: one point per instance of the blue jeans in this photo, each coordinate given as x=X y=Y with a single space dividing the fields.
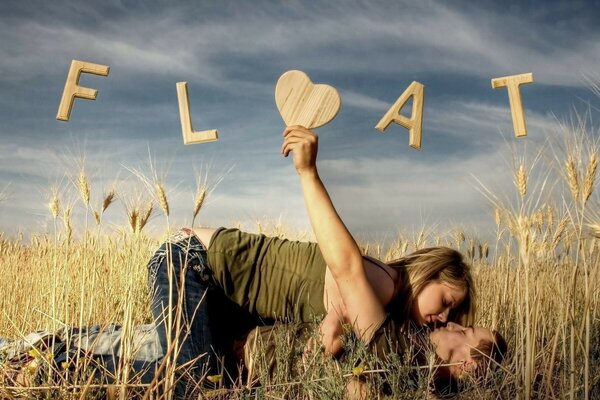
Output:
x=184 y=257
x=209 y=321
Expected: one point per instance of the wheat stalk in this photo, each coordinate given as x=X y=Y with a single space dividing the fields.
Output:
x=84 y=188
x=484 y=250
x=54 y=204
x=538 y=219
x=108 y=199
x=145 y=216
x=97 y=216
x=590 y=177
x=132 y=217
x=550 y=215
x=595 y=229
x=67 y=223
x=521 y=181
x=162 y=197
x=572 y=178
x=200 y=197
x=497 y=216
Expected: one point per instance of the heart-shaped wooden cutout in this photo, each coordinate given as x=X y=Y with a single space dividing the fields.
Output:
x=301 y=102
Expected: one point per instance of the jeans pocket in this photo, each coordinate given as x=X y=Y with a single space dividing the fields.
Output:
x=183 y=249
x=199 y=265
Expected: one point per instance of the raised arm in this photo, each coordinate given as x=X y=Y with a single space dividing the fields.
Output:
x=339 y=249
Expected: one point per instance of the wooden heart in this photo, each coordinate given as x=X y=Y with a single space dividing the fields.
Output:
x=301 y=102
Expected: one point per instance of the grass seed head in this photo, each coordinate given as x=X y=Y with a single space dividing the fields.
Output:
x=550 y=215
x=200 y=197
x=54 y=205
x=572 y=178
x=560 y=230
x=144 y=217
x=108 y=199
x=497 y=216
x=132 y=217
x=595 y=229
x=97 y=217
x=590 y=177
x=67 y=223
x=84 y=188
x=521 y=181
x=162 y=198
x=538 y=218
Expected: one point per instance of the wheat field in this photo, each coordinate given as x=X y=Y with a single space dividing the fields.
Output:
x=537 y=283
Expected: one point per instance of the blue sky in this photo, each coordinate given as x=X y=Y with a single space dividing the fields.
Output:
x=232 y=53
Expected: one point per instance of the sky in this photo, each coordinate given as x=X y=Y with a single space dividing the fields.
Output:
x=232 y=53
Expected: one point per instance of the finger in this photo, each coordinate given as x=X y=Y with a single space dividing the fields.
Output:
x=308 y=136
x=296 y=128
x=289 y=140
x=286 y=148
x=289 y=147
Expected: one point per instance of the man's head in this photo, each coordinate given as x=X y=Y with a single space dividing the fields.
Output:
x=467 y=349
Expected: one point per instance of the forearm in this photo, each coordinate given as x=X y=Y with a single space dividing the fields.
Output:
x=339 y=249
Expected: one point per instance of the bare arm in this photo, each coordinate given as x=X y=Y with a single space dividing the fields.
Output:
x=340 y=251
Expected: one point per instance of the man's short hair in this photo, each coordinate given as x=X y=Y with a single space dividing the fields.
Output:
x=489 y=354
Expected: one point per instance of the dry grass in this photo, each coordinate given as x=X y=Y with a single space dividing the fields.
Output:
x=119 y=263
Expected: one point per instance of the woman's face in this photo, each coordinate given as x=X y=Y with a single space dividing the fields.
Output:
x=453 y=344
x=435 y=301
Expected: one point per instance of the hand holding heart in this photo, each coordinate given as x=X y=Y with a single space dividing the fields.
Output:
x=304 y=145
x=303 y=106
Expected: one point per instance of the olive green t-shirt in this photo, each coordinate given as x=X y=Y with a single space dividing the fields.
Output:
x=389 y=338
x=270 y=277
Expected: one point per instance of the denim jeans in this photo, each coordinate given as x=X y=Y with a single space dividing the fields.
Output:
x=209 y=322
x=183 y=259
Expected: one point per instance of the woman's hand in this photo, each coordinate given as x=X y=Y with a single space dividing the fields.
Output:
x=304 y=144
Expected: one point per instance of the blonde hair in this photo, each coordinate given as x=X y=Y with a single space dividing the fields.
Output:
x=431 y=264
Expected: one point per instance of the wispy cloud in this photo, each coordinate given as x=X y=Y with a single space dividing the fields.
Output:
x=486 y=122
x=358 y=100
x=426 y=37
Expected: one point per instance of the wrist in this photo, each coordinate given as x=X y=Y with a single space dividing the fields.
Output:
x=308 y=173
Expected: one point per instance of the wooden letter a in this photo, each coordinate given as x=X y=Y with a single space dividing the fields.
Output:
x=414 y=124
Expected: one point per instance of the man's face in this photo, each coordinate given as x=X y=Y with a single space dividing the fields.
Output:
x=453 y=344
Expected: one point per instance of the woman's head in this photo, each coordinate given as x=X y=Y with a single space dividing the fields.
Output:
x=437 y=286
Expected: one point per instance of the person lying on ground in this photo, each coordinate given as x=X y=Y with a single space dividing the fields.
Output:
x=458 y=352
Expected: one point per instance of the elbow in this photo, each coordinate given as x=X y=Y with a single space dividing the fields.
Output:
x=346 y=268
